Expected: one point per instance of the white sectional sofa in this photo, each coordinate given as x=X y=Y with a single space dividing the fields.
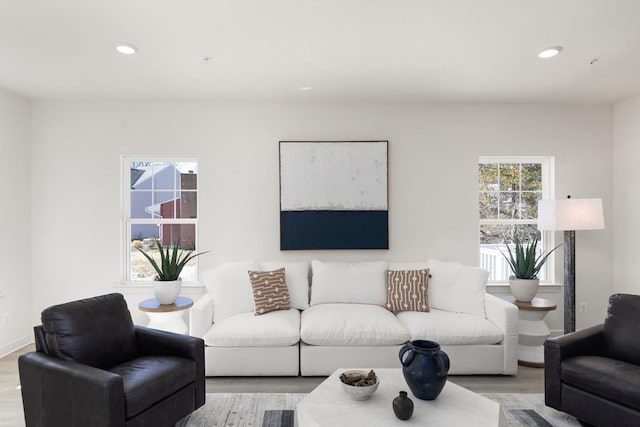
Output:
x=341 y=320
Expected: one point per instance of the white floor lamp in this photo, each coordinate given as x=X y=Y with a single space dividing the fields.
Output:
x=569 y=215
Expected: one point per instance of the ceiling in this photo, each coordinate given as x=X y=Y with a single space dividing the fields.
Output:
x=345 y=50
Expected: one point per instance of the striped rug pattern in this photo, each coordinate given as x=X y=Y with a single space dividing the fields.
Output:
x=278 y=410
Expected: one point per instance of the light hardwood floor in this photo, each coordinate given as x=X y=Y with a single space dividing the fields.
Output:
x=528 y=380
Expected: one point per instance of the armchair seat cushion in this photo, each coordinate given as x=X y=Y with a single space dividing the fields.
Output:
x=148 y=380
x=611 y=379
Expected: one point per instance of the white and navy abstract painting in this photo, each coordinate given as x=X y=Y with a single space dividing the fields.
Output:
x=333 y=195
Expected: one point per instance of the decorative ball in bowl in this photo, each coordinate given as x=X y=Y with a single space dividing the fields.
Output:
x=359 y=384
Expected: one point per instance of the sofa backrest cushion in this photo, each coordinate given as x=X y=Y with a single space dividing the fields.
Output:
x=297 y=278
x=621 y=328
x=230 y=287
x=95 y=331
x=348 y=282
x=411 y=265
x=456 y=287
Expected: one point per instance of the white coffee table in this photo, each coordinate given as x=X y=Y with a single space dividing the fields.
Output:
x=329 y=405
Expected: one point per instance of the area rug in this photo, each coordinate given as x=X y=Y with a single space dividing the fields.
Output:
x=528 y=409
x=278 y=410
x=246 y=409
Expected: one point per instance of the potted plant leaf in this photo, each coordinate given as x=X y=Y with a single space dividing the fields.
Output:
x=525 y=265
x=167 y=283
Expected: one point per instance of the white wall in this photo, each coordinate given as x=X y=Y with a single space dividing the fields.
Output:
x=433 y=154
x=15 y=261
x=626 y=195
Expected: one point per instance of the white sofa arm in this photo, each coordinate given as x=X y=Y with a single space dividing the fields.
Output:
x=201 y=316
x=505 y=316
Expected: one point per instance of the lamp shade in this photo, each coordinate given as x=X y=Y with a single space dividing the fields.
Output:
x=570 y=214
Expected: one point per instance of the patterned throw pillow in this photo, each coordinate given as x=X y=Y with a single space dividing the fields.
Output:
x=270 y=291
x=407 y=290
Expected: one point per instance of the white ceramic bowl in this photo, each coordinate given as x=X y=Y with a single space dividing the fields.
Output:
x=360 y=393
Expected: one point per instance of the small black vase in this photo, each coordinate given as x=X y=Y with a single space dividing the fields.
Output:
x=403 y=406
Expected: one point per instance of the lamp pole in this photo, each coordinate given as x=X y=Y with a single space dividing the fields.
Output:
x=569 y=281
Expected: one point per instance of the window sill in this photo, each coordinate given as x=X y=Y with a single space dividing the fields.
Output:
x=544 y=288
x=148 y=285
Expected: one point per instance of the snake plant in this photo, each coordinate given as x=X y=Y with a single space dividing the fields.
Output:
x=172 y=261
x=524 y=262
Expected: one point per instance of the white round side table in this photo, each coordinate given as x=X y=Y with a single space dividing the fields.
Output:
x=533 y=330
x=167 y=317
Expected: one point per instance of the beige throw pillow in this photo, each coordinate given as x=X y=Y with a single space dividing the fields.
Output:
x=407 y=290
x=270 y=291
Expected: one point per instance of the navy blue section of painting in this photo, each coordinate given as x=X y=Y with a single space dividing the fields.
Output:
x=301 y=230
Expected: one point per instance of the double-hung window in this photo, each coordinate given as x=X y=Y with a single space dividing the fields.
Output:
x=510 y=188
x=160 y=204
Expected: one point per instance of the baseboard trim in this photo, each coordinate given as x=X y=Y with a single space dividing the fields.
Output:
x=14 y=345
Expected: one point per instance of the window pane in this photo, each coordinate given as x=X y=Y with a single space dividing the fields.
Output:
x=143 y=237
x=493 y=239
x=164 y=204
x=189 y=180
x=509 y=177
x=141 y=202
x=488 y=205
x=509 y=205
x=529 y=204
x=488 y=176
x=188 y=206
x=531 y=177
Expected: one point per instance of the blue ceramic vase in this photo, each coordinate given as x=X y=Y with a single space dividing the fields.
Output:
x=425 y=367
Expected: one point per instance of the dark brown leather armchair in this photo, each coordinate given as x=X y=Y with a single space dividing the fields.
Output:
x=594 y=374
x=93 y=367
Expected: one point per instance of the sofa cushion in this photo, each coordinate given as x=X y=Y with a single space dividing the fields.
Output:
x=297 y=278
x=608 y=378
x=230 y=288
x=276 y=329
x=149 y=379
x=95 y=331
x=269 y=291
x=411 y=265
x=621 y=327
x=351 y=324
x=456 y=287
x=407 y=290
x=448 y=328
x=345 y=282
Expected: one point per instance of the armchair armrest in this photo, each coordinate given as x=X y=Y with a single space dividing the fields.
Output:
x=588 y=341
x=62 y=392
x=154 y=342
x=505 y=316
x=201 y=316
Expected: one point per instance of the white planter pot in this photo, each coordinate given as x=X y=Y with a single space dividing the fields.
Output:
x=167 y=292
x=523 y=289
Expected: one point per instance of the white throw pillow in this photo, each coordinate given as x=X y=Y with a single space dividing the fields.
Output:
x=344 y=282
x=230 y=287
x=413 y=265
x=456 y=287
x=297 y=278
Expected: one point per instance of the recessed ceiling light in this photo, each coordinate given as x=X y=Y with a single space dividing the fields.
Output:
x=550 y=52
x=126 y=48
x=306 y=88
